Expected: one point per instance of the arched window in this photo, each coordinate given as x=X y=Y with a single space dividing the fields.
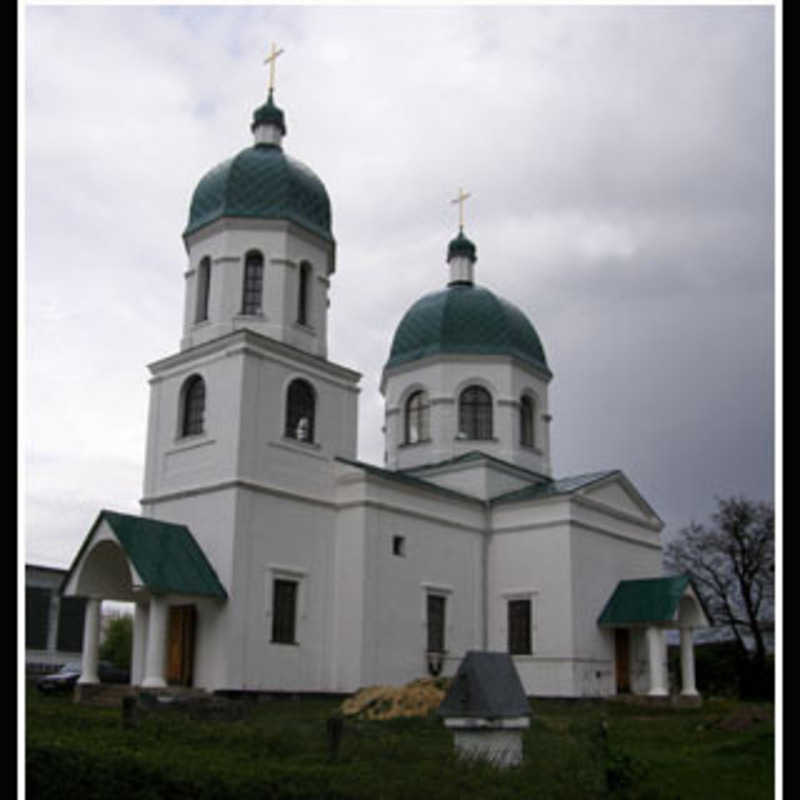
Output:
x=203 y=286
x=193 y=406
x=300 y=402
x=417 y=418
x=475 y=413
x=253 y=283
x=303 y=292
x=526 y=421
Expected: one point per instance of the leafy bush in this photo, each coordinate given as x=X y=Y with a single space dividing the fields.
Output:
x=118 y=642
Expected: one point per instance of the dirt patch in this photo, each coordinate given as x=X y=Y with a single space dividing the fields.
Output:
x=416 y=699
x=743 y=718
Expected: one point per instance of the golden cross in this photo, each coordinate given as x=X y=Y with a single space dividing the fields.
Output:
x=270 y=59
x=462 y=196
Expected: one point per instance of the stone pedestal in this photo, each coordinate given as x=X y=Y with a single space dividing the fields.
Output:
x=497 y=741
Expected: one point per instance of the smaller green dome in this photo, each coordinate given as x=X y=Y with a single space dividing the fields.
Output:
x=269 y=114
x=461 y=246
x=468 y=320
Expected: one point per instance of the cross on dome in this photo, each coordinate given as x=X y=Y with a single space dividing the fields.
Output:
x=271 y=59
x=462 y=196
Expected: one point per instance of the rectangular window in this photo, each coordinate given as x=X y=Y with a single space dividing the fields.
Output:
x=253 y=284
x=203 y=287
x=302 y=294
x=71 y=612
x=399 y=545
x=519 y=627
x=37 y=614
x=284 y=611
x=436 y=621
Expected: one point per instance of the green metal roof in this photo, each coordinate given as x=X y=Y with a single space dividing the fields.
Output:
x=646 y=600
x=262 y=182
x=465 y=319
x=551 y=488
x=167 y=557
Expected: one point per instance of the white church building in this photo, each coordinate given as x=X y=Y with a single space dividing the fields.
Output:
x=268 y=558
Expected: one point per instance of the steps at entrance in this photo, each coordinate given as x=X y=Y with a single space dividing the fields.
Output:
x=109 y=695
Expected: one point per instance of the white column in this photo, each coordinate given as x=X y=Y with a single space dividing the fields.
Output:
x=687 y=663
x=655 y=658
x=139 y=649
x=156 y=645
x=91 y=641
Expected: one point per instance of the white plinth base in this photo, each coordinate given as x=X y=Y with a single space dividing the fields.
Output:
x=500 y=747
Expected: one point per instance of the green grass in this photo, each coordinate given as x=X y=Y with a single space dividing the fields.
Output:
x=279 y=749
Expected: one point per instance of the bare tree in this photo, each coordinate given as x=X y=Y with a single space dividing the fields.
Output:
x=732 y=562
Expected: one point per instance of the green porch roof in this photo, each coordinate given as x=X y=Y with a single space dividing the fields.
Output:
x=166 y=555
x=645 y=600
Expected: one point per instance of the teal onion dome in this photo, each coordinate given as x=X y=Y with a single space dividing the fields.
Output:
x=262 y=182
x=465 y=319
x=269 y=114
x=461 y=246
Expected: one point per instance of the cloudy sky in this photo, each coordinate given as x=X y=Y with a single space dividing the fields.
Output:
x=620 y=162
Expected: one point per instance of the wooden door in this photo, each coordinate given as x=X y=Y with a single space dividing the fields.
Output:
x=622 y=650
x=180 y=651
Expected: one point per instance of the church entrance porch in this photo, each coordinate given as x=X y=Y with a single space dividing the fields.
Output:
x=655 y=605
x=158 y=566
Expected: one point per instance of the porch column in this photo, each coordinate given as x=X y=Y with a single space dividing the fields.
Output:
x=655 y=659
x=156 y=645
x=139 y=648
x=91 y=642
x=687 y=663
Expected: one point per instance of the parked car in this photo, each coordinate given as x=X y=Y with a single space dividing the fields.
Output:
x=67 y=677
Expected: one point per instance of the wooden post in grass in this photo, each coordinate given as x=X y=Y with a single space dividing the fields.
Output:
x=335 y=728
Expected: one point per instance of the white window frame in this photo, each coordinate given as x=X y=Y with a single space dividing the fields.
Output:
x=298 y=575
x=532 y=595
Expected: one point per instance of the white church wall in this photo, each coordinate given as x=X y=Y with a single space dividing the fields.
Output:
x=289 y=539
x=383 y=617
x=529 y=557
x=177 y=462
x=266 y=454
x=348 y=599
x=437 y=558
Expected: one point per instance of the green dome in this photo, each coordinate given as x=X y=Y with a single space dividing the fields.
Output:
x=465 y=319
x=262 y=182
x=461 y=246
x=269 y=114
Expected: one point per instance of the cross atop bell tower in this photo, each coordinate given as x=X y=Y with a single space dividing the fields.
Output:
x=271 y=59
x=462 y=196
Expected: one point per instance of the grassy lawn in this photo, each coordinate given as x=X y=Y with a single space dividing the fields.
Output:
x=279 y=749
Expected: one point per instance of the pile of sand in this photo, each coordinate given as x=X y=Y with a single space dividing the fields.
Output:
x=416 y=699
